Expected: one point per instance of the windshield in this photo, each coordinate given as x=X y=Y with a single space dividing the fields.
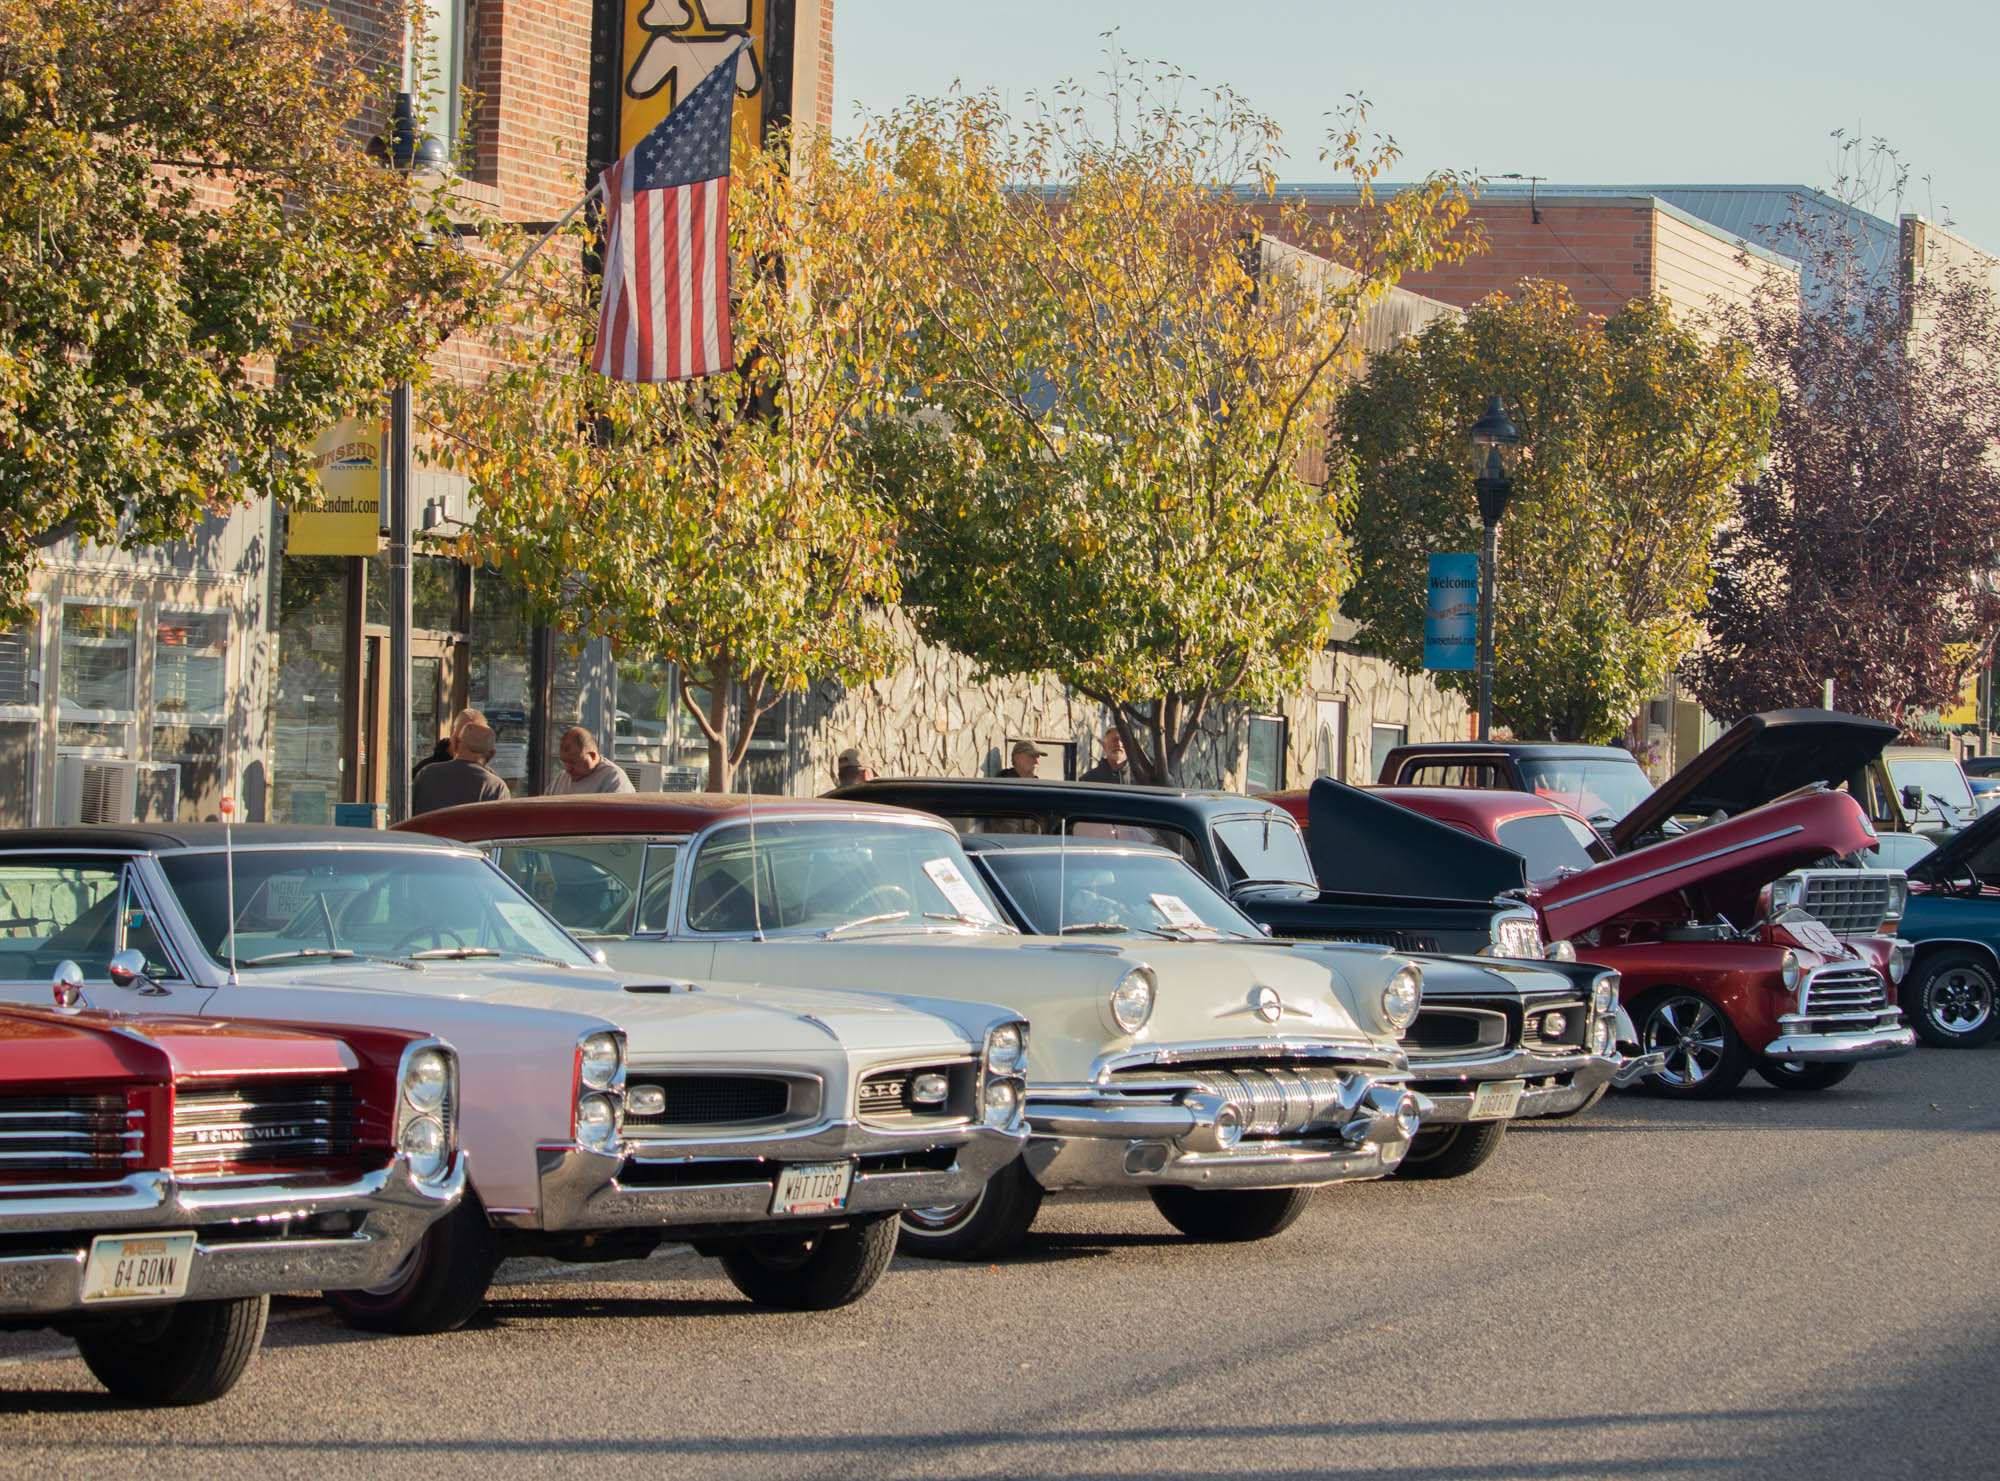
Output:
x=1602 y=790
x=1940 y=779
x=293 y=904
x=814 y=875
x=1264 y=846
x=1085 y=891
x=1553 y=843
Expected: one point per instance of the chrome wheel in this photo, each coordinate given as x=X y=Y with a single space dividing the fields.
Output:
x=1694 y=1036
x=942 y=1220
x=400 y=1276
x=1959 y=1000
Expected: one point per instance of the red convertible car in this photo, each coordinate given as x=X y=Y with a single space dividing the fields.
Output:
x=161 y=1177
x=1714 y=976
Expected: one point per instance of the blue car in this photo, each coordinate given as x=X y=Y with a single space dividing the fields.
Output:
x=1952 y=992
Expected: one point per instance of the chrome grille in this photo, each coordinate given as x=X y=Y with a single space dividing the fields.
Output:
x=712 y=1100
x=1842 y=991
x=1848 y=902
x=1391 y=940
x=1272 y=1100
x=68 y=1133
x=1450 y=1031
x=1570 y=1035
x=885 y=1095
x=263 y=1121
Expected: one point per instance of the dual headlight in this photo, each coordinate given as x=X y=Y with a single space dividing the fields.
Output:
x=1131 y=1001
x=599 y=1118
x=1788 y=968
x=1004 y=1087
x=427 y=1109
x=1402 y=997
x=1604 y=994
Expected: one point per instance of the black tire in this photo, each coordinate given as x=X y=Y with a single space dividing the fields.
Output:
x=990 y=1224
x=1797 y=1075
x=1706 y=1057
x=185 y=1354
x=440 y=1285
x=813 y=1272
x=1231 y=1215
x=1952 y=1000
x=1451 y=1151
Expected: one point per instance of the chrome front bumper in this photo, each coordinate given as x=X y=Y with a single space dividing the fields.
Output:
x=1137 y=1134
x=253 y=1237
x=1878 y=1038
x=666 y=1184
x=1556 y=1083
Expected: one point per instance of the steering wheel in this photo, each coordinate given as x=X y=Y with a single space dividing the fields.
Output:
x=1965 y=880
x=881 y=899
x=436 y=935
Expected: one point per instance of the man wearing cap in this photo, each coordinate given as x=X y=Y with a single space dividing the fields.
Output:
x=847 y=768
x=1026 y=754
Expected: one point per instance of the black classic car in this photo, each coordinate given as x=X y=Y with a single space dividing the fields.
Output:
x=1495 y=1040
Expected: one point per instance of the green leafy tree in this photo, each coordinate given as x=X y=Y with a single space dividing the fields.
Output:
x=1125 y=385
x=1635 y=432
x=717 y=523
x=200 y=266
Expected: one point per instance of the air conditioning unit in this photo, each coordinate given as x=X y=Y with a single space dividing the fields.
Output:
x=94 y=790
x=653 y=776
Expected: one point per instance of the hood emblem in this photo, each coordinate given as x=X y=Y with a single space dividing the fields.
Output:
x=1267 y=1004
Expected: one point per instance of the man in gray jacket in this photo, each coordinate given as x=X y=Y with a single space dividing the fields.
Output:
x=464 y=778
x=583 y=768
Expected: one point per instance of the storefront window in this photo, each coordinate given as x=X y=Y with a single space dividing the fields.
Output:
x=1264 y=769
x=502 y=639
x=305 y=689
x=1382 y=739
x=97 y=688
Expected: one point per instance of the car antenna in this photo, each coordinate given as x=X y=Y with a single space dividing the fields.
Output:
x=229 y=885
x=756 y=907
x=1062 y=868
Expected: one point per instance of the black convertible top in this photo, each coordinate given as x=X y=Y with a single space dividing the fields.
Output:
x=158 y=837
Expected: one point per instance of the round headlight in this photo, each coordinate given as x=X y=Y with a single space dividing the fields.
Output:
x=423 y=1143
x=1789 y=967
x=600 y=1057
x=1562 y=951
x=1604 y=995
x=596 y=1121
x=426 y=1078
x=1900 y=956
x=1003 y=1101
x=1007 y=1049
x=1402 y=997
x=1132 y=999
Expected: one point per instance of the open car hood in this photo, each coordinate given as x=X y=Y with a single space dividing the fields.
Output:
x=1723 y=862
x=1976 y=846
x=1361 y=844
x=1759 y=759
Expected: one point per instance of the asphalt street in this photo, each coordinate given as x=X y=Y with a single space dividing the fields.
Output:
x=1773 y=1285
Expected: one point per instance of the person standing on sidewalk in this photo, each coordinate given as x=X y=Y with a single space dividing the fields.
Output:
x=1113 y=766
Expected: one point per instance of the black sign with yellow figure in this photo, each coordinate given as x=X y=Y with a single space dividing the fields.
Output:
x=647 y=54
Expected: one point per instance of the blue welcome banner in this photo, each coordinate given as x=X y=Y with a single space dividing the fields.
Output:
x=1451 y=612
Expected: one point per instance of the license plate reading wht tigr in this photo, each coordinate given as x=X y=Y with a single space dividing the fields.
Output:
x=813 y=1188
x=1497 y=1098
x=138 y=1267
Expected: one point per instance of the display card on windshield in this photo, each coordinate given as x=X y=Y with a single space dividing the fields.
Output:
x=1178 y=913
x=957 y=890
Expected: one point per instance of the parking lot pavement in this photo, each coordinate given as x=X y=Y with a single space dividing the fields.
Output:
x=1772 y=1285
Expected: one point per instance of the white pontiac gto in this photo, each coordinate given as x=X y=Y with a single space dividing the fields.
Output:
x=600 y=1114
x=1227 y=1081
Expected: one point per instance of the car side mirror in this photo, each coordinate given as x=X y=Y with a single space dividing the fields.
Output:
x=128 y=970
x=1913 y=797
x=68 y=984
x=597 y=955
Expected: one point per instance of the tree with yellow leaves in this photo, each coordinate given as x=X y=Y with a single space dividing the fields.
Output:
x=1102 y=477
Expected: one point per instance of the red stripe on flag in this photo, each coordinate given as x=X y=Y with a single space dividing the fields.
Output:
x=646 y=287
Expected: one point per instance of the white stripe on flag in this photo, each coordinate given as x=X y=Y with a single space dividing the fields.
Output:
x=635 y=305
x=711 y=351
x=656 y=205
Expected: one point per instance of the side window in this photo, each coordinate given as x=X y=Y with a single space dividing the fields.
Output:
x=656 y=896
x=140 y=935
x=589 y=887
x=1161 y=836
x=51 y=911
x=1454 y=774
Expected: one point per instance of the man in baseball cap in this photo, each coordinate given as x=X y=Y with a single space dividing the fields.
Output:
x=847 y=768
x=1026 y=753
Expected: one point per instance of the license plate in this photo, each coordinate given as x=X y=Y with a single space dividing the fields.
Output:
x=1497 y=1099
x=138 y=1267
x=813 y=1188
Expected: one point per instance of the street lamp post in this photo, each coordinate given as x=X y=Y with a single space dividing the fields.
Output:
x=1494 y=438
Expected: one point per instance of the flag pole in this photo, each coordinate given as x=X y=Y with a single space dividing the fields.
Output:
x=550 y=235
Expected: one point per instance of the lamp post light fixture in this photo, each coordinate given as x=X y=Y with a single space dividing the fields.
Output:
x=1494 y=439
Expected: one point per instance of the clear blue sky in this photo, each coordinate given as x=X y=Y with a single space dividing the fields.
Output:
x=1578 y=91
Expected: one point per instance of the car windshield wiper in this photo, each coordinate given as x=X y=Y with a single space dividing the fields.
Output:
x=959 y=918
x=1097 y=928
x=329 y=954
x=465 y=953
x=865 y=920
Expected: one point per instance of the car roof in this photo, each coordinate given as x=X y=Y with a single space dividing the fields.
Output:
x=628 y=813
x=1112 y=801
x=990 y=843
x=157 y=837
x=1488 y=806
x=1570 y=749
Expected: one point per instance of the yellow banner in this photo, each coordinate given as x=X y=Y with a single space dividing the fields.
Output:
x=348 y=458
x=670 y=45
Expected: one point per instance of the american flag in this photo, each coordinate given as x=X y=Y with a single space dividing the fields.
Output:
x=665 y=315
